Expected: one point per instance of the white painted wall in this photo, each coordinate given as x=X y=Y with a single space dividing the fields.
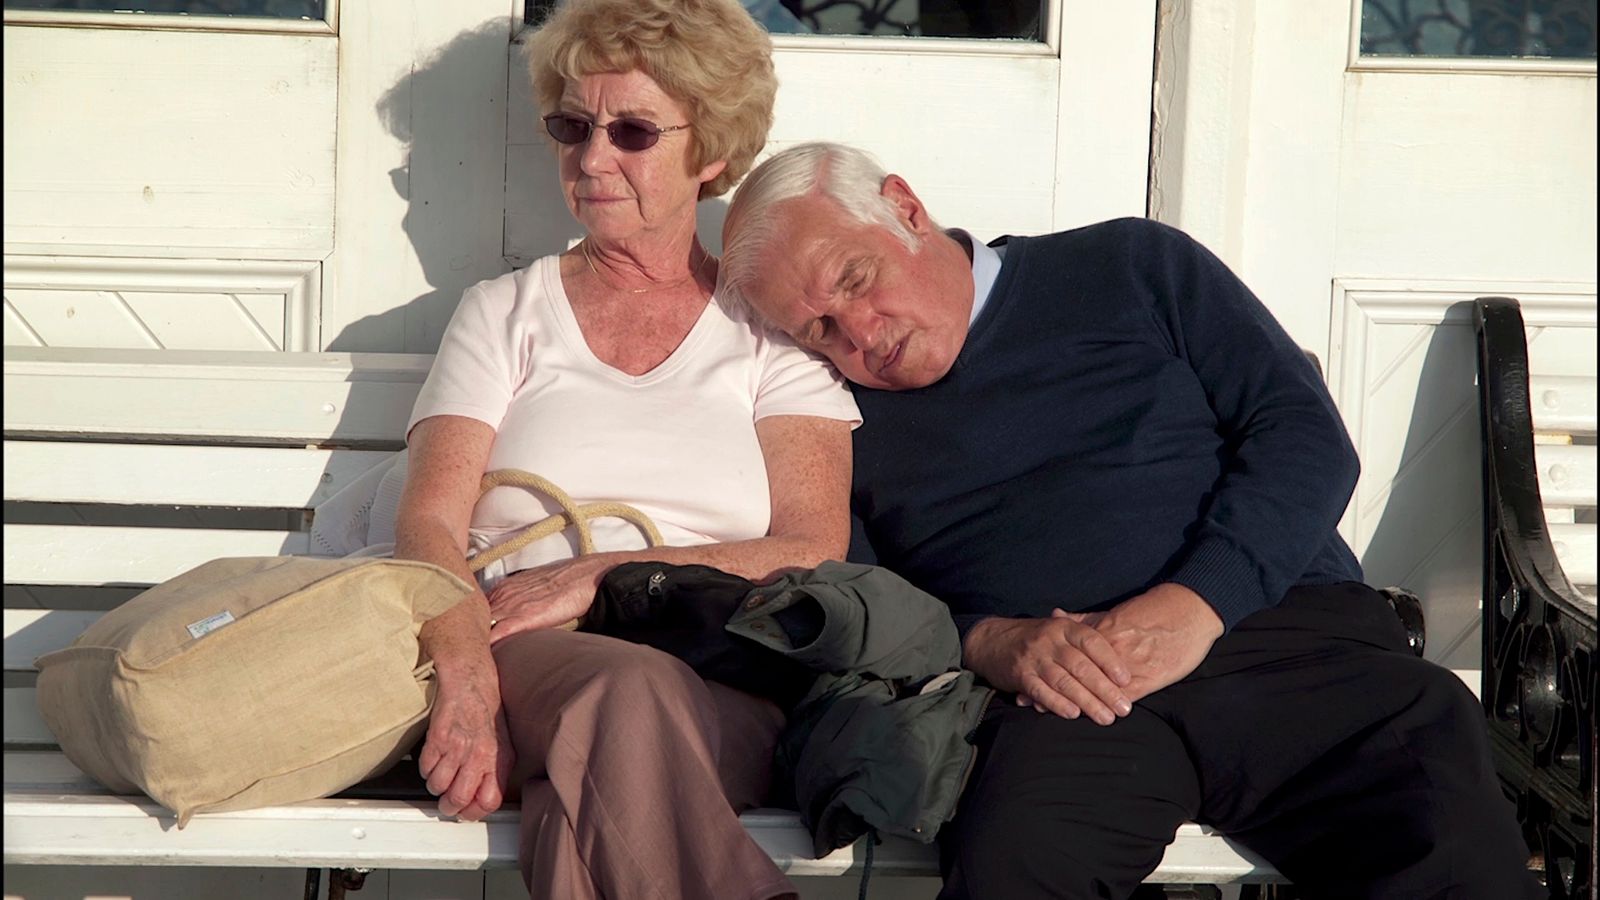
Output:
x=1366 y=202
x=198 y=191
x=172 y=147
x=336 y=187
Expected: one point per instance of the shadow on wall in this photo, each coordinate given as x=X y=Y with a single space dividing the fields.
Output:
x=426 y=110
x=1428 y=539
x=530 y=215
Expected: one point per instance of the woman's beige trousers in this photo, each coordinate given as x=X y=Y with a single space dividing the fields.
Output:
x=632 y=771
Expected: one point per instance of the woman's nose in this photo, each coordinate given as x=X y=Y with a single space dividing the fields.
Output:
x=598 y=154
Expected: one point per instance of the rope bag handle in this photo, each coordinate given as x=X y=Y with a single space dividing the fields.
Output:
x=572 y=515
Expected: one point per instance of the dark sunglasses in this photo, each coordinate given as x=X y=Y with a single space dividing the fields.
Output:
x=631 y=135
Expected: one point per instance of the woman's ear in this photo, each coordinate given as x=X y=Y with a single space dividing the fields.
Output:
x=711 y=170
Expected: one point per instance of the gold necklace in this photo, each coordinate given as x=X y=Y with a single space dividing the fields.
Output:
x=583 y=246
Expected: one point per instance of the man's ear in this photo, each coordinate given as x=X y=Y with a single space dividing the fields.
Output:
x=905 y=201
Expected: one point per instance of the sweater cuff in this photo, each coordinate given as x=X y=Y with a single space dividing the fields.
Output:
x=965 y=622
x=1223 y=577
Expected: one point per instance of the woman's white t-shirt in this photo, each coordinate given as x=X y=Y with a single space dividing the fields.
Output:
x=678 y=442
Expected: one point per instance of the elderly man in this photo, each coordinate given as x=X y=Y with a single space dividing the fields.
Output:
x=1123 y=477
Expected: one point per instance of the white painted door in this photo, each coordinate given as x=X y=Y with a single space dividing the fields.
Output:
x=987 y=130
x=224 y=183
x=334 y=183
x=1368 y=195
x=166 y=186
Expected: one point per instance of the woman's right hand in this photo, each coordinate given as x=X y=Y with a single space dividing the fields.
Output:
x=467 y=755
x=546 y=596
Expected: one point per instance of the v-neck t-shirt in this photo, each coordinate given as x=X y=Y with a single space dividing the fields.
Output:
x=678 y=442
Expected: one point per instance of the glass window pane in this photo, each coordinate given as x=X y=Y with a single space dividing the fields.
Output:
x=314 y=10
x=1526 y=29
x=1016 y=19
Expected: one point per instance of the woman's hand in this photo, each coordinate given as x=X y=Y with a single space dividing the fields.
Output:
x=467 y=756
x=546 y=596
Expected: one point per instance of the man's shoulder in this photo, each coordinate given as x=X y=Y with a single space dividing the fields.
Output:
x=1102 y=250
x=1122 y=239
x=1128 y=229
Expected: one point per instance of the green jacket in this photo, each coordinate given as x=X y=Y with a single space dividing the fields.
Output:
x=881 y=740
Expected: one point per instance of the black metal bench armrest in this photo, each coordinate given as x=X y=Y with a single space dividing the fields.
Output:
x=1539 y=655
x=1513 y=509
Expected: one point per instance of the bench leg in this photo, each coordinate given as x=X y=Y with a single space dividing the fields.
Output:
x=339 y=881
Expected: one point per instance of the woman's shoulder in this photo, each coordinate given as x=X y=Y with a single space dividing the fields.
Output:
x=517 y=288
x=739 y=325
x=766 y=347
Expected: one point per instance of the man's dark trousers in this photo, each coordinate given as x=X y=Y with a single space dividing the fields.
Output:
x=1310 y=734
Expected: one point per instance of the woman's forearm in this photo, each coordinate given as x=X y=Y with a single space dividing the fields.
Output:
x=760 y=559
x=550 y=595
x=459 y=638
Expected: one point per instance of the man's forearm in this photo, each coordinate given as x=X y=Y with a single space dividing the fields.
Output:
x=1288 y=467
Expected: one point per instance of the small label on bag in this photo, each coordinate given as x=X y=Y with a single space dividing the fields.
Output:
x=210 y=623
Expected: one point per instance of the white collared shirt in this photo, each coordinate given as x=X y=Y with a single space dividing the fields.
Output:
x=985 y=271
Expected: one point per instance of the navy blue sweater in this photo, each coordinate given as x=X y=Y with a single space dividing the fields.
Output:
x=1124 y=413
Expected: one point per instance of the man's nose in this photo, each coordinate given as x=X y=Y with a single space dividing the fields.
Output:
x=860 y=327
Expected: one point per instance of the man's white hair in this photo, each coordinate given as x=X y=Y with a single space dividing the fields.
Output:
x=849 y=177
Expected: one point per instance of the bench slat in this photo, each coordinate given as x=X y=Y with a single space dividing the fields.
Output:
x=44 y=828
x=47 y=772
x=53 y=829
x=1575 y=548
x=48 y=827
x=280 y=477
x=102 y=555
x=24 y=727
x=1566 y=474
x=32 y=632
x=300 y=397
x=1564 y=404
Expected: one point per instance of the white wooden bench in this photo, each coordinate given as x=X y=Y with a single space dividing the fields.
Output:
x=1542 y=672
x=124 y=468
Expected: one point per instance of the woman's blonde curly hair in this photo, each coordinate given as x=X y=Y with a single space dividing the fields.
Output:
x=708 y=55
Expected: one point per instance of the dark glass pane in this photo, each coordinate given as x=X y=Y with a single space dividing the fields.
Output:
x=1518 y=29
x=260 y=9
x=1017 y=19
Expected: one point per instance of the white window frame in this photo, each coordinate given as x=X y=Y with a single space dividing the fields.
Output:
x=1048 y=46
x=1492 y=65
x=175 y=21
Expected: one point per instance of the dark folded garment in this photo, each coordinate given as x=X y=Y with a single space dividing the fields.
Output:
x=681 y=610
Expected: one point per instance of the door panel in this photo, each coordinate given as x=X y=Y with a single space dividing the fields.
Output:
x=1468 y=175
x=1406 y=384
x=137 y=143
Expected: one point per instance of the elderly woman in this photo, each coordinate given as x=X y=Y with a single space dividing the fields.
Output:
x=609 y=370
